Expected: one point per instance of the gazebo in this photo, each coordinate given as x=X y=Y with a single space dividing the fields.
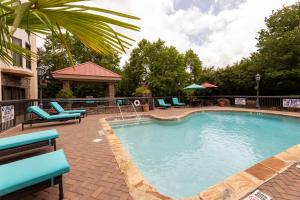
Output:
x=88 y=72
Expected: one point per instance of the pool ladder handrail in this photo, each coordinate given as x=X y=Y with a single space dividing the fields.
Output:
x=136 y=114
x=120 y=112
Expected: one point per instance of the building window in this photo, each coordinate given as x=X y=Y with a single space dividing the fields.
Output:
x=17 y=58
x=28 y=60
x=12 y=93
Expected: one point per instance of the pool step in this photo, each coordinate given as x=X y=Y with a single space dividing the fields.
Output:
x=130 y=122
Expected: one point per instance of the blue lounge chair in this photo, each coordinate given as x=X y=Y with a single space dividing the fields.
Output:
x=162 y=104
x=60 y=109
x=177 y=103
x=33 y=174
x=120 y=102
x=20 y=143
x=45 y=117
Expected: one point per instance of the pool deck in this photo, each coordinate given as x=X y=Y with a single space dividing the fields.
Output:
x=96 y=174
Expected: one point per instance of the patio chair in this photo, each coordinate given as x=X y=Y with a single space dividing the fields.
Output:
x=60 y=109
x=120 y=102
x=162 y=104
x=33 y=174
x=20 y=143
x=177 y=103
x=45 y=117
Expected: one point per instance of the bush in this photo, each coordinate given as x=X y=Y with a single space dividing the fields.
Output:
x=64 y=94
x=142 y=91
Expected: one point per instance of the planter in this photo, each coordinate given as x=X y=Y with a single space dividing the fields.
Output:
x=145 y=107
x=221 y=103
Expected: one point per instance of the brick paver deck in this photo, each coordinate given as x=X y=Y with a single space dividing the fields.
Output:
x=95 y=173
x=285 y=186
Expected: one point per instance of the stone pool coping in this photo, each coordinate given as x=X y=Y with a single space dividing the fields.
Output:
x=237 y=186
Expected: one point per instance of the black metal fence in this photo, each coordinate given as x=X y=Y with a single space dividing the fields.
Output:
x=18 y=114
x=100 y=102
x=283 y=103
x=110 y=105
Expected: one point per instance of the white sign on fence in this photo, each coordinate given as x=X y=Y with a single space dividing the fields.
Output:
x=240 y=101
x=7 y=113
x=291 y=103
x=258 y=195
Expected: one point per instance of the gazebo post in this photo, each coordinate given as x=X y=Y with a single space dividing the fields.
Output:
x=66 y=85
x=110 y=92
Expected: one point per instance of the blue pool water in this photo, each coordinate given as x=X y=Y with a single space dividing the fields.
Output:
x=181 y=158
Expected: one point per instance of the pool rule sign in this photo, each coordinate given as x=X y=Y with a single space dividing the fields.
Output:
x=7 y=113
x=258 y=195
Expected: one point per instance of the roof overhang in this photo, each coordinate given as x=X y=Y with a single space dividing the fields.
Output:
x=17 y=71
x=82 y=78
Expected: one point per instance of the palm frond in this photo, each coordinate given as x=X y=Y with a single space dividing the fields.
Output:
x=91 y=25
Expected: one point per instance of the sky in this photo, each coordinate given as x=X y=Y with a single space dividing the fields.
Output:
x=221 y=32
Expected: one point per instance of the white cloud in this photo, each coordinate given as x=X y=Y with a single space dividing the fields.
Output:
x=219 y=39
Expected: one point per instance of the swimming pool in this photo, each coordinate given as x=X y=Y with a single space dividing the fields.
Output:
x=181 y=158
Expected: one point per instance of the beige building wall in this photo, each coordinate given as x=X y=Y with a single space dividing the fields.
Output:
x=21 y=77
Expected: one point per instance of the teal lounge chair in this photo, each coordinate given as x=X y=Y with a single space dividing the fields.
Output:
x=45 y=117
x=120 y=102
x=177 y=103
x=30 y=175
x=162 y=104
x=20 y=143
x=60 y=109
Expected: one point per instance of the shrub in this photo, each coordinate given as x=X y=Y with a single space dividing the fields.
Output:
x=64 y=94
x=142 y=91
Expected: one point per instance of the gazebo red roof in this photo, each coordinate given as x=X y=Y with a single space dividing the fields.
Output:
x=86 y=71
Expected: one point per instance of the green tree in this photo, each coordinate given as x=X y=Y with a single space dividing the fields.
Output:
x=194 y=65
x=279 y=52
x=160 y=67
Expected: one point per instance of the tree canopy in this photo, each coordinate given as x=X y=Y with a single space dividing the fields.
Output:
x=162 y=68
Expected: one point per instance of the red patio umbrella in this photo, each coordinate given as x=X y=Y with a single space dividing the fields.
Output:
x=208 y=85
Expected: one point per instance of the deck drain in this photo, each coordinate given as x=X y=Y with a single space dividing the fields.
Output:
x=97 y=140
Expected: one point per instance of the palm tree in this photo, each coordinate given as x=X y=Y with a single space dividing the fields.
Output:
x=92 y=26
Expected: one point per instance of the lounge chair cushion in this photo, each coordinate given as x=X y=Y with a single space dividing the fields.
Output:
x=64 y=116
x=74 y=111
x=161 y=102
x=60 y=109
x=57 y=107
x=25 y=139
x=38 y=111
x=44 y=115
x=27 y=172
x=176 y=102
